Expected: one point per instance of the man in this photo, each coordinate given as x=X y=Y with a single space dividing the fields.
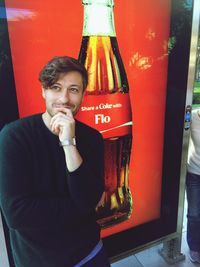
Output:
x=193 y=189
x=51 y=177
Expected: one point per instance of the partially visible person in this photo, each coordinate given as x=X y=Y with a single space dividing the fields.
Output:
x=193 y=189
x=51 y=177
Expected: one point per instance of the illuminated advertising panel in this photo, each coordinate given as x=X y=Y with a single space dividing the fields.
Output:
x=126 y=47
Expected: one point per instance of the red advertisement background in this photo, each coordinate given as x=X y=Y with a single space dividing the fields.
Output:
x=39 y=30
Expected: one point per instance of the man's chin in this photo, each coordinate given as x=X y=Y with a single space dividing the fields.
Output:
x=51 y=114
x=74 y=112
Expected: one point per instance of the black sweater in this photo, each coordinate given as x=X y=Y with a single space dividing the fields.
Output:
x=50 y=212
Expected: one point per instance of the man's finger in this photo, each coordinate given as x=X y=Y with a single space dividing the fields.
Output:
x=66 y=111
x=63 y=116
x=69 y=112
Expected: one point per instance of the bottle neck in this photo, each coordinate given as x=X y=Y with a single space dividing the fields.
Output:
x=98 y=20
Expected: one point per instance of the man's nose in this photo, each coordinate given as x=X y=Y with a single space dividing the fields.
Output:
x=64 y=96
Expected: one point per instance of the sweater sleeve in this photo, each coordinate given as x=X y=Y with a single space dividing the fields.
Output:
x=86 y=184
x=24 y=209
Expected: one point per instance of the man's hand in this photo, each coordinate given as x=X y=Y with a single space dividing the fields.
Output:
x=63 y=124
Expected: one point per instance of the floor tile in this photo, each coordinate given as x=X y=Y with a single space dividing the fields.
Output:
x=130 y=261
x=3 y=252
x=151 y=258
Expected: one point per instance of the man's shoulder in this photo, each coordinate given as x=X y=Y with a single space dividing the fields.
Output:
x=20 y=125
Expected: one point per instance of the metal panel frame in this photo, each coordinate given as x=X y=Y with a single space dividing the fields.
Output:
x=189 y=98
x=191 y=75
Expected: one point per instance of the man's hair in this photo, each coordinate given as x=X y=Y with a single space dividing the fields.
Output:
x=51 y=72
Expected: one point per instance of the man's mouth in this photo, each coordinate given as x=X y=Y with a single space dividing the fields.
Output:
x=63 y=106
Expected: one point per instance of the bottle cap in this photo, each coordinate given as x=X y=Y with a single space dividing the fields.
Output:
x=99 y=2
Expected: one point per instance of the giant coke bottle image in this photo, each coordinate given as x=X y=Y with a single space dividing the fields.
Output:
x=107 y=108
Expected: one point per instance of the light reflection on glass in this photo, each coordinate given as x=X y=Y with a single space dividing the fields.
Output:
x=150 y=35
x=141 y=62
x=144 y=62
x=171 y=43
x=15 y=14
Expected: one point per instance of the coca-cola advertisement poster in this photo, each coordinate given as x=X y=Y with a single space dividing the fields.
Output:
x=125 y=48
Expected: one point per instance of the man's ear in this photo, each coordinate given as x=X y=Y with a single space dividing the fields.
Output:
x=43 y=92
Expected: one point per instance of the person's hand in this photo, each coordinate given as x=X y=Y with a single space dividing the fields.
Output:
x=63 y=124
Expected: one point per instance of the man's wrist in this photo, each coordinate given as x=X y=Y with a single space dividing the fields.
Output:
x=68 y=142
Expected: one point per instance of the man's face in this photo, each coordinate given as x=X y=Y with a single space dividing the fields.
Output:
x=67 y=92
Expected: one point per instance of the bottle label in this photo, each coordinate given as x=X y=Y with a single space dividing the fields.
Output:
x=110 y=114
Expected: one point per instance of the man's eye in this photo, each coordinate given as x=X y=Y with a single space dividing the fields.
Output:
x=55 y=88
x=74 y=89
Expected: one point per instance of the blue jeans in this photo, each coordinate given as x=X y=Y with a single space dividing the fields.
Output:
x=193 y=215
